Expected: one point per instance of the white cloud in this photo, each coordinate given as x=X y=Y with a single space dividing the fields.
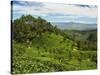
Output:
x=70 y=9
x=57 y=12
x=57 y=8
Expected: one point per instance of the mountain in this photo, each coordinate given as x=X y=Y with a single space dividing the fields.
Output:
x=75 y=26
x=38 y=46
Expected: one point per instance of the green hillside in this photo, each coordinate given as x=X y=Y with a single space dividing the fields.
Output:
x=38 y=46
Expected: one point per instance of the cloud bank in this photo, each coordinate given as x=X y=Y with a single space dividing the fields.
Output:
x=56 y=12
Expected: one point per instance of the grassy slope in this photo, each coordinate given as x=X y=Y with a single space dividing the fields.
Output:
x=50 y=53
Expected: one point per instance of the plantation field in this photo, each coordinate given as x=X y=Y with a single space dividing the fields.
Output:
x=37 y=46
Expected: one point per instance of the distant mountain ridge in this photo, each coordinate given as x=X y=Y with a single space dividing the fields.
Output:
x=75 y=26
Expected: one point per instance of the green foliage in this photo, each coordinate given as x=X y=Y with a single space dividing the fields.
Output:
x=28 y=27
x=40 y=47
x=86 y=40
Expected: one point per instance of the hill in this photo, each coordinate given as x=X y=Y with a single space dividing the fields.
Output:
x=75 y=26
x=86 y=39
x=38 y=46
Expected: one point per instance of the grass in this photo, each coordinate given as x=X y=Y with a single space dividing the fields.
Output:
x=50 y=54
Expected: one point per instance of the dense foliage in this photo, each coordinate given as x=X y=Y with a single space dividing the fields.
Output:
x=38 y=46
x=86 y=40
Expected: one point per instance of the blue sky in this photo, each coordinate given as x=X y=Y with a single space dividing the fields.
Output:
x=56 y=12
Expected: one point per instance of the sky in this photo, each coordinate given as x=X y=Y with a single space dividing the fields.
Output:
x=56 y=12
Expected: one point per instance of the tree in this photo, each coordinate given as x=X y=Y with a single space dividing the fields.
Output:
x=27 y=28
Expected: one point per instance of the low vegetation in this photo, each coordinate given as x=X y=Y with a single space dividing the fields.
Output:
x=38 y=46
